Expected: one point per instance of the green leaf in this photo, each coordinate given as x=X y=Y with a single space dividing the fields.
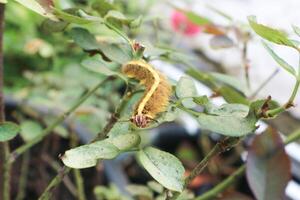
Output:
x=229 y=80
x=71 y=16
x=140 y=191
x=197 y=19
x=8 y=131
x=186 y=90
x=280 y=61
x=117 y=52
x=201 y=100
x=98 y=65
x=119 y=128
x=270 y=34
x=232 y=96
x=229 y=119
x=126 y=142
x=50 y=26
x=87 y=155
x=102 y=7
x=296 y=30
x=268 y=166
x=38 y=8
x=30 y=130
x=163 y=167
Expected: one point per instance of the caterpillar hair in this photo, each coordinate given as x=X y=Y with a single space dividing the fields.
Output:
x=157 y=91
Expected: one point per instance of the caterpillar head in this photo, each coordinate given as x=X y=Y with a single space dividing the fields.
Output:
x=141 y=120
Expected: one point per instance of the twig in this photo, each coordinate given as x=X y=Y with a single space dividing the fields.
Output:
x=6 y=149
x=46 y=195
x=245 y=63
x=59 y=120
x=220 y=147
x=214 y=192
x=253 y=95
x=79 y=184
x=23 y=177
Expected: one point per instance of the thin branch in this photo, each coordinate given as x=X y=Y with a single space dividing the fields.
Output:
x=214 y=192
x=220 y=147
x=5 y=145
x=46 y=195
x=58 y=121
x=23 y=177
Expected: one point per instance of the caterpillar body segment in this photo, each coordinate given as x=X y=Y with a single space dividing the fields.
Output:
x=157 y=91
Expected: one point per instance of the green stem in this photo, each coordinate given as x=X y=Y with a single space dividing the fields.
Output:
x=46 y=195
x=58 y=121
x=116 y=30
x=79 y=184
x=23 y=177
x=276 y=111
x=214 y=192
x=6 y=172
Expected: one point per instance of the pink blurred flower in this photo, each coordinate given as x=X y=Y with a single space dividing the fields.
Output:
x=182 y=24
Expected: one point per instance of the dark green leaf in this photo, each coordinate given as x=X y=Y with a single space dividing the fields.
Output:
x=163 y=167
x=8 y=131
x=268 y=166
x=232 y=96
x=87 y=155
x=280 y=61
x=270 y=34
x=118 y=52
x=50 y=26
x=102 y=7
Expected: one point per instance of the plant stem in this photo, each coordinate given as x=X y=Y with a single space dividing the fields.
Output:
x=5 y=145
x=276 y=111
x=220 y=147
x=23 y=177
x=59 y=120
x=213 y=193
x=46 y=195
x=79 y=184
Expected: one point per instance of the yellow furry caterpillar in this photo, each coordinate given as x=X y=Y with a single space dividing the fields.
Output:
x=156 y=95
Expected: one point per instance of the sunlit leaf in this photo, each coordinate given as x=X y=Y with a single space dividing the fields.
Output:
x=163 y=167
x=87 y=155
x=296 y=30
x=8 y=131
x=186 y=90
x=39 y=7
x=3 y=1
x=280 y=61
x=268 y=166
x=268 y=33
x=30 y=130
